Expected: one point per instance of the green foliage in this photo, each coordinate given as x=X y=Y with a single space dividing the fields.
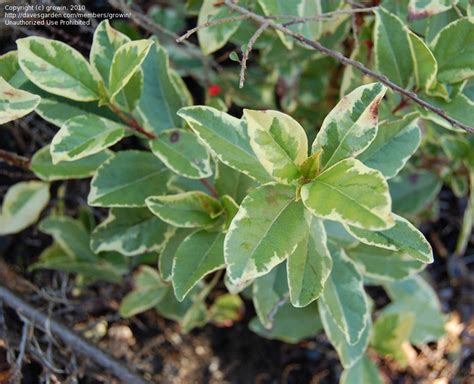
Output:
x=299 y=231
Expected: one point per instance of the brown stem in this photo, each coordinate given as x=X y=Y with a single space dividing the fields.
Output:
x=212 y=190
x=131 y=122
x=14 y=159
x=347 y=61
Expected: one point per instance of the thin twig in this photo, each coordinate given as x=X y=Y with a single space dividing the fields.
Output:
x=246 y=53
x=74 y=341
x=209 y=24
x=347 y=61
x=14 y=159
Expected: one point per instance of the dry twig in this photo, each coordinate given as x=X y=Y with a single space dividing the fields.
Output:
x=347 y=61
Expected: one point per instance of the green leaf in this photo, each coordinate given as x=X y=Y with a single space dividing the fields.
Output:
x=226 y=137
x=390 y=331
x=125 y=63
x=55 y=258
x=312 y=29
x=149 y=290
x=186 y=210
x=15 y=103
x=127 y=99
x=43 y=167
x=350 y=126
x=105 y=43
x=9 y=67
x=290 y=325
x=181 y=152
x=348 y=354
x=200 y=254
x=395 y=142
x=403 y=236
x=392 y=48
x=352 y=193
x=226 y=310
x=127 y=179
x=215 y=37
x=279 y=143
x=130 y=231
x=453 y=48
x=57 y=68
x=161 y=98
x=168 y=254
x=233 y=183
x=309 y=266
x=22 y=206
x=382 y=265
x=57 y=110
x=425 y=65
x=269 y=292
x=83 y=136
x=363 y=371
x=267 y=228
x=411 y=192
x=414 y=295
x=345 y=298
x=71 y=236
x=418 y=9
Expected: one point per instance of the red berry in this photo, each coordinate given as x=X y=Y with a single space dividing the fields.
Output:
x=214 y=90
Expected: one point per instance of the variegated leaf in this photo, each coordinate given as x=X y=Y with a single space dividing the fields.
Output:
x=309 y=266
x=168 y=254
x=83 y=136
x=214 y=37
x=345 y=298
x=226 y=137
x=127 y=179
x=425 y=65
x=57 y=68
x=392 y=48
x=363 y=371
x=268 y=293
x=200 y=254
x=418 y=9
x=351 y=125
x=130 y=231
x=453 y=48
x=348 y=354
x=415 y=295
x=183 y=153
x=351 y=193
x=186 y=210
x=15 y=103
x=105 y=43
x=279 y=143
x=162 y=95
x=382 y=265
x=9 y=67
x=393 y=145
x=22 y=206
x=312 y=29
x=125 y=63
x=266 y=229
x=403 y=236
x=43 y=167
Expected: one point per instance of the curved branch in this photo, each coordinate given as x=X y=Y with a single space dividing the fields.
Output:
x=261 y=20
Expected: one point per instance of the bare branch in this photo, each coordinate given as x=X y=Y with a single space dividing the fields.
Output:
x=14 y=159
x=347 y=61
x=74 y=341
x=209 y=24
x=246 y=53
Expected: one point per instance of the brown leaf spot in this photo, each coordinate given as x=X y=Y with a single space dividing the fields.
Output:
x=174 y=137
x=374 y=109
x=9 y=93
